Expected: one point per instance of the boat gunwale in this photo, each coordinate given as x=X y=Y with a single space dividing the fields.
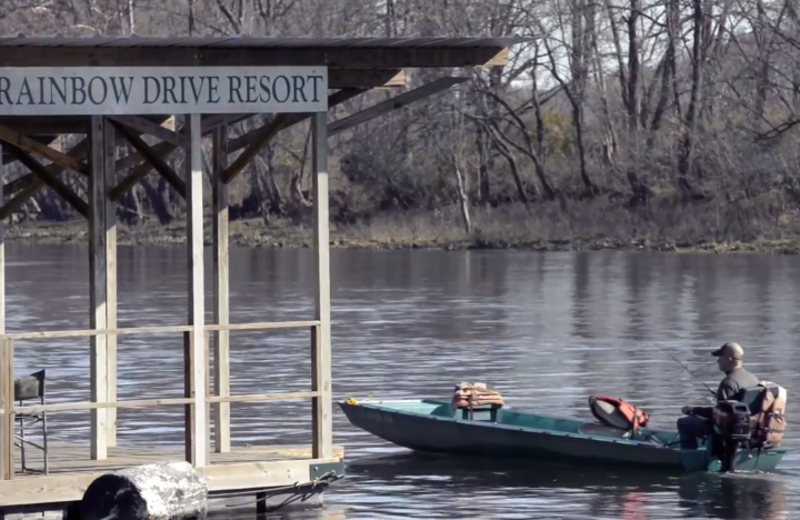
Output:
x=628 y=442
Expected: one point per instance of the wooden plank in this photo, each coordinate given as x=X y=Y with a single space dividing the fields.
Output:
x=31 y=145
x=194 y=241
x=395 y=103
x=258 y=398
x=163 y=330
x=240 y=472
x=252 y=475
x=100 y=405
x=322 y=406
x=57 y=185
x=73 y=456
x=98 y=271
x=172 y=401
x=145 y=126
x=219 y=211
x=342 y=57
x=110 y=221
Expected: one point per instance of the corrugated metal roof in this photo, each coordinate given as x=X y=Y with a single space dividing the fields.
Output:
x=259 y=42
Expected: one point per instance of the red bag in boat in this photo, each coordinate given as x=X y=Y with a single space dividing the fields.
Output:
x=617 y=413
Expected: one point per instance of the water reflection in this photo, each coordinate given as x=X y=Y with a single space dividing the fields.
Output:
x=534 y=488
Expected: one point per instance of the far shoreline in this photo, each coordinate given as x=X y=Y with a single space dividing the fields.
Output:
x=255 y=234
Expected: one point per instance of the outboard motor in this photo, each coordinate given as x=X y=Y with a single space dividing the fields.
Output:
x=731 y=431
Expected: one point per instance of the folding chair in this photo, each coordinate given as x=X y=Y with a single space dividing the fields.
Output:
x=28 y=388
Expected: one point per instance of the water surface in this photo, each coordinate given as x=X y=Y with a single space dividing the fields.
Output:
x=546 y=329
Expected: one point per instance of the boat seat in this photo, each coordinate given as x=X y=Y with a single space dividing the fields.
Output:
x=480 y=413
x=602 y=430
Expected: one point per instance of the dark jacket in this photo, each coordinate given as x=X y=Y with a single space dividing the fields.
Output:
x=731 y=388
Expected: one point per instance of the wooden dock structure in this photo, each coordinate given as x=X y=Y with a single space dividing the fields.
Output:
x=175 y=92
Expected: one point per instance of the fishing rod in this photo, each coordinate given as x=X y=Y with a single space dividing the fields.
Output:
x=678 y=361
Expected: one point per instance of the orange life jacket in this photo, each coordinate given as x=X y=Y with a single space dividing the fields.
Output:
x=617 y=413
x=768 y=421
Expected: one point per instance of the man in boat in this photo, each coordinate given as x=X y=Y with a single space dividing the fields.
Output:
x=697 y=423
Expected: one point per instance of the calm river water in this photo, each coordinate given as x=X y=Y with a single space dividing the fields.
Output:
x=547 y=329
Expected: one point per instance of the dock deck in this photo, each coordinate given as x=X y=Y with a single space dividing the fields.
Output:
x=71 y=469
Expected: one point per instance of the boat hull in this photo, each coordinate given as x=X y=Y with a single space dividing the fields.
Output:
x=464 y=437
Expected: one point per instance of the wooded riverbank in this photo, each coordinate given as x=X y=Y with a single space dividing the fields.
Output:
x=504 y=228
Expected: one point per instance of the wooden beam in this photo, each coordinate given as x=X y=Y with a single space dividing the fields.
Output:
x=98 y=270
x=155 y=161
x=322 y=406
x=78 y=151
x=162 y=151
x=47 y=126
x=257 y=139
x=145 y=126
x=335 y=57
x=396 y=102
x=219 y=212
x=194 y=241
x=136 y=159
x=26 y=180
x=48 y=140
x=63 y=191
x=337 y=98
x=17 y=184
x=366 y=78
x=32 y=145
x=264 y=135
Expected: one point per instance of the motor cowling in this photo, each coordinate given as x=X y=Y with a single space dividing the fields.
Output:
x=732 y=429
x=732 y=420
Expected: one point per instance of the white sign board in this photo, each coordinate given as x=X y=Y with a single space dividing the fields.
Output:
x=62 y=91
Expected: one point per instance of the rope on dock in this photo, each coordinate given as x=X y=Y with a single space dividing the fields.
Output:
x=323 y=480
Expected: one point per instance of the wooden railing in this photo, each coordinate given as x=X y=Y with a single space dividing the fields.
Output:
x=190 y=399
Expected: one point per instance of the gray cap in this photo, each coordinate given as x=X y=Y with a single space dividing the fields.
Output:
x=729 y=349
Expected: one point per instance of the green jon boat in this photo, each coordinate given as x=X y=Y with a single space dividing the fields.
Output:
x=435 y=427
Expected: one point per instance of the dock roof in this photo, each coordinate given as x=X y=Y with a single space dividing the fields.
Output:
x=336 y=52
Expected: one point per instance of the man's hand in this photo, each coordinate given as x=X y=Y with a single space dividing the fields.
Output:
x=687 y=410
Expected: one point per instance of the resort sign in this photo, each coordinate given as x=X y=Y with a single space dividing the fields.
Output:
x=85 y=91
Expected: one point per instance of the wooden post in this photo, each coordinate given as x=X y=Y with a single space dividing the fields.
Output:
x=2 y=249
x=219 y=206
x=321 y=343
x=207 y=385
x=7 y=426
x=194 y=242
x=7 y=389
x=98 y=272
x=188 y=392
x=111 y=278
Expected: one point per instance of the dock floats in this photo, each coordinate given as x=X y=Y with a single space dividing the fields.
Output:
x=78 y=103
